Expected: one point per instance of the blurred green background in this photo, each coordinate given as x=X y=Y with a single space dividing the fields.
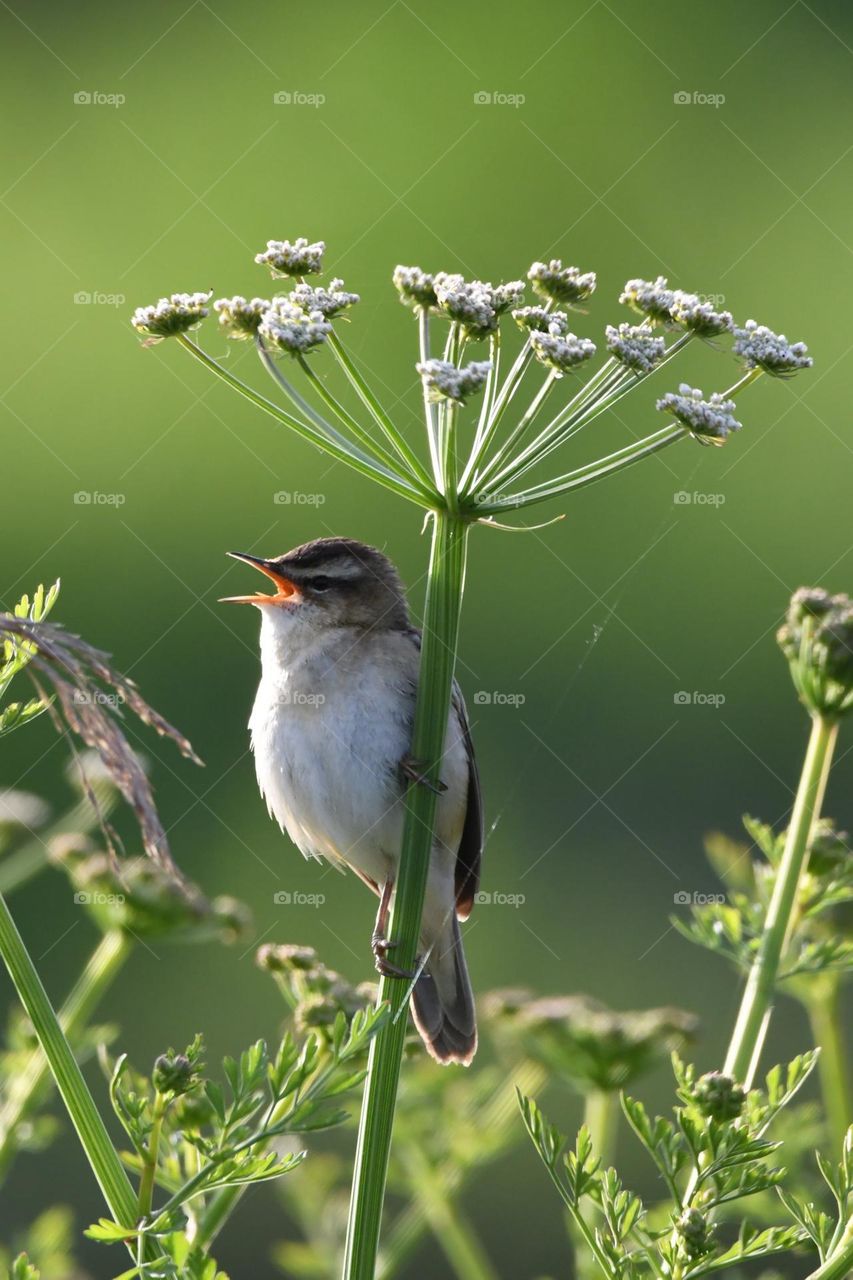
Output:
x=601 y=784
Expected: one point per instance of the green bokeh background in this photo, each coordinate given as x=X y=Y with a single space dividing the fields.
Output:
x=600 y=786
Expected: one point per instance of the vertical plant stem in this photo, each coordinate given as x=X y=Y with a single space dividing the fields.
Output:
x=601 y=1116
x=756 y=1005
x=839 y=1264
x=825 y=1018
x=149 y=1164
x=450 y=1227
x=100 y=972
x=101 y=1154
x=440 y=634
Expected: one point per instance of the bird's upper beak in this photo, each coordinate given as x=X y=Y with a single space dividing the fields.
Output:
x=285 y=589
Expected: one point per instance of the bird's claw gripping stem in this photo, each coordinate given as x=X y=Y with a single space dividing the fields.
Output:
x=415 y=771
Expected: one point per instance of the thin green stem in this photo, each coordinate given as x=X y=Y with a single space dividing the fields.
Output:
x=587 y=474
x=357 y=432
x=519 y=429
x=756 y=1006
x=346 y=455
x=450 y=1227
x=440 y=636
x=430 y=412
x=823 y=1007
x=378 y=413
x=102 y=1157
x=99 y=974
x=152 y=1153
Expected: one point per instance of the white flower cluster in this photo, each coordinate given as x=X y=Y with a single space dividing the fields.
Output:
x=568 y=285
x=651 y=298
x=292 y=258
x=291 y=328
x=542 y=319
x=711 y=421
x=475 y=304
x=444 y=381
x=562 y=352
x=761 y=348
x=415 y=287
x=635 y=347
x=329 y=302
x=172 y=315
x=241 y=318
x=688 y=310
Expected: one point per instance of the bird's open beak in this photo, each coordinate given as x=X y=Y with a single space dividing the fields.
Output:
x=285 y=589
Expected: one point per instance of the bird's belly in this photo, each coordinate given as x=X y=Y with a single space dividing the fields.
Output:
x=330 y=779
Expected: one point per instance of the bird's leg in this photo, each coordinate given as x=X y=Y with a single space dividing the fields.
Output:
x=415 y=771
x=380 y=945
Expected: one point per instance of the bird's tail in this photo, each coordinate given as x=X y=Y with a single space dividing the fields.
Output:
x=443 y=1003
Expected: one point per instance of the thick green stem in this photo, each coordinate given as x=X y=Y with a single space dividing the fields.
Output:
x=149 y=1164
x=440 y=634
x=498 y=1118
x=601 y=1116
x=91 y=1131
x=839 y=1264
x=756 y=1005
x=100 y=972
x=823 y=1007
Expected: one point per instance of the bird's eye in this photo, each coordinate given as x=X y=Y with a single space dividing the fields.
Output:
x=321 y=583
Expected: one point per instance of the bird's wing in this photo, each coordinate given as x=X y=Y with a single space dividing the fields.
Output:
x=470 y=852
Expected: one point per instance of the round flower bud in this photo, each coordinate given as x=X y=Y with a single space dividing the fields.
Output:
x=415 y=287
x=635 y=347
x=567 y=285
x=719 y=1097
x=761 y=348
x=173 y=1073
x=241 y=318
x=710 y=421
x=444 y=381
x=694 y=1232
x=563 y=352
x=650 y=298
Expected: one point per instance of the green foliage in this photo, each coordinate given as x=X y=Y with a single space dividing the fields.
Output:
x=705 y=1163
x=16 y=654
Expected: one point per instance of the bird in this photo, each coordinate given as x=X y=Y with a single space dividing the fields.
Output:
x=331 y=731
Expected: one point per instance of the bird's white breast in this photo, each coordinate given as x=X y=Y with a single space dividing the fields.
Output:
x=330 y=725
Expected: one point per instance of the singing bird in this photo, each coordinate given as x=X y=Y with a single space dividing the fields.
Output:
x=331 y=733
